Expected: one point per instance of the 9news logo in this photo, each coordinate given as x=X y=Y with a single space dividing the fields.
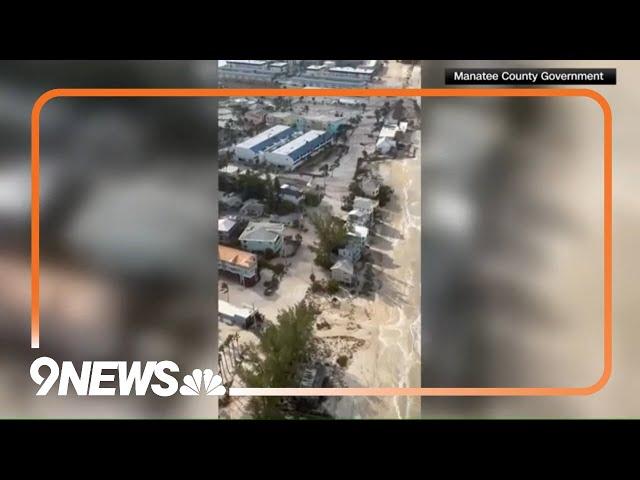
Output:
x=133 y=380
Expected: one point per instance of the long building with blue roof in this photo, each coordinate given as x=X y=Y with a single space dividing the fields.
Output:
x=292 y=154
x=252 y=148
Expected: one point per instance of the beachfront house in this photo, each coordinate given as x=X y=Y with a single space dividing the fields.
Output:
x=362 y=212
x=370 y=187
x=356 y=243
x=359 y=217
x=342 y=271
x=262 y=237
x=366 y=204
x=239 y=264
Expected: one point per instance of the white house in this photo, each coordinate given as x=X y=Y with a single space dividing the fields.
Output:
x=262 y=236
x=232 y=315
x=356 y=243
x=370 y=186
x=384 y=145
x=387 y=138
x=342 y=271
x=362 y=213
x=366 y=204
x=359 y=217
x=228 y=228
x=291 y=194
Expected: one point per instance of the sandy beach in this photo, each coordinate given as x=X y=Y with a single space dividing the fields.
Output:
x=388 y=326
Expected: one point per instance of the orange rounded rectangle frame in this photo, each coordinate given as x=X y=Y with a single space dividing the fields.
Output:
x=373 y=92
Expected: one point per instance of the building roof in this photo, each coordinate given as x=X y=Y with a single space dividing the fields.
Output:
x=388 y=131
x=252 y=202
x=363 y=203
x=262 y=231
x=357 y=212
x=279 y=64
x=369 y=182
x=385 y=142
x=289 y=190
x=226 y=224
x=299 y=142
x=231 y=199
x=281 y=114
x=344 y=265
x=237 y=257
x=231 y=311
x=316 y=67
x=264 y=136
x=248 y=62
x=230 y=169
x=348 y=101
x=366 y=71
x=359 y=230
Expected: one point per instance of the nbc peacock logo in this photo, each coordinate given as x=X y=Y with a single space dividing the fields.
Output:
x=202 y=381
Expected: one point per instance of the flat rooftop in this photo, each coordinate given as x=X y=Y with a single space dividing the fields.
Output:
x=237 y=257
x=225 y=224
x=343 y=264
x=367 y=71
x=248 y=62
x=262 y=231
x=228 y=310
x=388 y=131
x=264 y=136
x=360 y=231
x=299 y=142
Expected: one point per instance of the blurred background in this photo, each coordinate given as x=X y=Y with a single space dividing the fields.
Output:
x=512 y=258
x=127 y=255
x=512 y=238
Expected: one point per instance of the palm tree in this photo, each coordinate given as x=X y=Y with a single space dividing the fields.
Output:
x=223 y=362
x=224 y=288
x=220 y=368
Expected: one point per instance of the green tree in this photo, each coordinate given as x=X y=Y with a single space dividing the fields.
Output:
x=250 y=185
x=275 y=362
x=276 y=190
x=333 y=287
x=384 y=195
x=332 y=234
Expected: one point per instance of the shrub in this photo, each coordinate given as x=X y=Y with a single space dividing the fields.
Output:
x=282 y=349
x=285 y=207
x=333 y=287
x=332 y=234
x=342 y=360
x=384 y=196
x=312 y=199
x=278 y=268
x=355 y=190
x=317 y=287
